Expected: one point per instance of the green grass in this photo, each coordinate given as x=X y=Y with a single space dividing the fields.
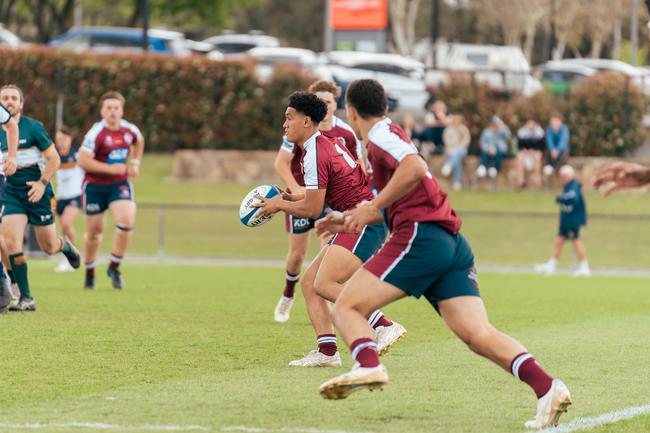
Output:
x=198 y=346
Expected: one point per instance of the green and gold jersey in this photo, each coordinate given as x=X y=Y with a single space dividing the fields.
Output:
x=33 y=140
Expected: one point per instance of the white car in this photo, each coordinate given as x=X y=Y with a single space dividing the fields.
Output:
x=7 y=38
x=638 y=75
x=402 y=77
x=268 y=57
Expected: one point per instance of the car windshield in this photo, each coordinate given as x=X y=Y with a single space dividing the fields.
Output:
x=233 y=47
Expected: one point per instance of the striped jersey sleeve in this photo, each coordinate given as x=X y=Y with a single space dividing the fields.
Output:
x=90 y=139
x=5 y=115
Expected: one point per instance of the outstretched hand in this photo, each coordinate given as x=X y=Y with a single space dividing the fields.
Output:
x=620 y=175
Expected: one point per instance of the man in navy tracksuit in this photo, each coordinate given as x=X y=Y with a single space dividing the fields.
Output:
x=573 y=215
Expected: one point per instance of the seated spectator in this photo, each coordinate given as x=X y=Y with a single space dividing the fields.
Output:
x=494 y=145
x=557 y=144
x=435 y=121
x=531 y=144
x=408 y=125
x=456 y=138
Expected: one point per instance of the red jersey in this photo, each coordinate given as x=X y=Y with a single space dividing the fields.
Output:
x=388 y=144
x=330 y=166
x=341 y=132
x=110 y=146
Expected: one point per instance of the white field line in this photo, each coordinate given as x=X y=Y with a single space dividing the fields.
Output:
x=102 y=426
x=245 y=429
x=583 y=424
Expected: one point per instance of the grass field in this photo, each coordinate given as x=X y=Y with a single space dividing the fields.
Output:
x=187 y=346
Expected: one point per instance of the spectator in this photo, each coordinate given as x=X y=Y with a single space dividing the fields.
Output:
x=494 y=145
x=436 y=120
x=408 y=125
x=531 y=145
x=456 y=139
x=557 y=144
x=573 y=215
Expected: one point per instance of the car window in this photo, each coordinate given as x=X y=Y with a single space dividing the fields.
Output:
x=478 y=59
x=384 y=68
x=76 y=42
x=233 y=47
x=115 y=41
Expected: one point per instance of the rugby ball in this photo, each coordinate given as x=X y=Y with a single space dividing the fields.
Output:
x=247 y=213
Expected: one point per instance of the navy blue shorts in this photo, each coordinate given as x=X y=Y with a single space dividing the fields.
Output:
x=364 y=244
x=97 y=198
x=569 y=232
x=425 y=259
x=65 y=202
x=298 y=225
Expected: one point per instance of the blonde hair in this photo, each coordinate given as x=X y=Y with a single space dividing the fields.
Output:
x=325 y=86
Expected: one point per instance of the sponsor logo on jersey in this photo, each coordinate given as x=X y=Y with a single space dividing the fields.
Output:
x=109 y=140
x=125 y=192
x=128 y=138
x=300 y=222
x=92 y=207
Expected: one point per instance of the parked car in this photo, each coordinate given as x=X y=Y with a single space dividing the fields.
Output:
x=268 y=57
x=638 y=75
x=111 y=39
x=8 y=39
x=402 y=77
x=231 y=43
x=561 y=78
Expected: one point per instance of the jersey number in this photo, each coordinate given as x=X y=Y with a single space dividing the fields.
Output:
x=351 y=162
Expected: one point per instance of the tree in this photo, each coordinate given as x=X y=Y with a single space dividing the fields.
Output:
x=403 y=15
x=7 y=8
x=51 y=17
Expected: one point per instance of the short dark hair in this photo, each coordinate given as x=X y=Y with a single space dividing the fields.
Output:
x=309 y=105
x=367 y=97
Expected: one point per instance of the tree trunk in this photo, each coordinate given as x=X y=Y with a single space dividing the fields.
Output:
x=529 y=42
x=7 y=11
x=596 y=48
x=558 y=51
x=616 y=50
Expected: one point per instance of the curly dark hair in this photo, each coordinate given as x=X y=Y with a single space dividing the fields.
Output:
x=367 y=97
x=309 y=105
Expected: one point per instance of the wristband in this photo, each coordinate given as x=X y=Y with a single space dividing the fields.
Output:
x=135 y=161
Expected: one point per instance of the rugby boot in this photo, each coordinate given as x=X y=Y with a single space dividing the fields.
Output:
x=386 y=336
x=73 y=256
x=116 y=278
x=551 y=406
x=317 y=359
x=283 y=309
x=25 y=304
x=355 y=380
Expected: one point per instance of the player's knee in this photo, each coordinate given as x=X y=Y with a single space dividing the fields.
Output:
x=51 y=247
x=295 y=259
x=477 y=338
x=93 y=236
x=124 y=228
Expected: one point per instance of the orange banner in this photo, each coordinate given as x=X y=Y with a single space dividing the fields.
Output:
x=358 y=14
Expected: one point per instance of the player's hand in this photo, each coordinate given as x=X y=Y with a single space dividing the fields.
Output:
x=555 y=153
x=267 y=206
x=291 y=195
x=36 y=191
x=118 y=169
x=360 y=216
x=10 y=165
x=333 y=223
x=619 y=175
x=134 y=170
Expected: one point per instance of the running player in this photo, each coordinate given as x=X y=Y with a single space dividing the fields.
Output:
x=425 y=255
x=69 y=178
x=10 y=126
x=331 y=176
x=104 y=155
x=287 y=166
x=28 y=196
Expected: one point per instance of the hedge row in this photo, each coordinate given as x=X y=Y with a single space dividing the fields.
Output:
x=197 y=103
x=178 y=103
x=604 y=116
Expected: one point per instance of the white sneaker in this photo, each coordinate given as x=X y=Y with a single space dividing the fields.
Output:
x=446 y=170
x=582 y=272
x=551 y=406
x=545 y=268
x=386 y=336
x=548 y=170
x=457 y=186
x=15 y=293
x=63 y=266
x=356 y=379
x=283 y=309
x=492 y=172
x=481 y=171
x=317 y=359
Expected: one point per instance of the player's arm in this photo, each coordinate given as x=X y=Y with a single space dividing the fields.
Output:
x=282 y=165
x=52 y=163
x=309 y=207
x=12 y=146
x=136 y=157
x=88 y=163
x=409 y=173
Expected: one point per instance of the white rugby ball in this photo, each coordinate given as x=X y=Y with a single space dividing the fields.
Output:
x=246 y=212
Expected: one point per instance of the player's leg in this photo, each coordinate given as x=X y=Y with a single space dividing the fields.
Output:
x=362 y=294
x=94 y=228
x=467 y=318
x=298 y=233
x=123 y=212
x=346 y=254
x=583 y=269
x=67 y=211
x=550 y=266
x=13 y=232
x=327 y=354
x=51 y=243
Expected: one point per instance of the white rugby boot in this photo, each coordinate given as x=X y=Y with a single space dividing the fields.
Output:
x=583 y=270
x=317 y=359
x=386 y=336
x=551 y=406
x=63 y=266
x=283 y=309
x=356 y=379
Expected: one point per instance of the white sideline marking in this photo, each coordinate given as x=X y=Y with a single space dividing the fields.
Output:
x=245 y=429
x=581 y=424
x=103 y=426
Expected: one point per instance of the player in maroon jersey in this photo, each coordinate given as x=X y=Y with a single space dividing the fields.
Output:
x=425 y=256
x=287 y=166
x=110 y=153
x=331 y=175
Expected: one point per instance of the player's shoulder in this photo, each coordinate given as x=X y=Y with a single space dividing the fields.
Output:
x=344 y=126
x=30 y=122
x=125 y=124
x=386 y=133
x=96 y=128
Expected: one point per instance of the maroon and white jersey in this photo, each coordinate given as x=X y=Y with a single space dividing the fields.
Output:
x=110 y=146
x=387 y=146
x=296 y=167
x=343 y=132
x=330 y=166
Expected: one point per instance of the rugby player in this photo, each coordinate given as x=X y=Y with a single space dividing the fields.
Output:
x=104 y=156
x=10 y=126
x=425 y=255
x=331 y=176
